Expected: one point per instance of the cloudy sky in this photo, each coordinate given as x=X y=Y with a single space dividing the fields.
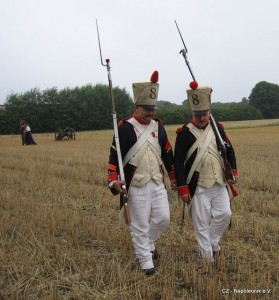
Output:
x=232 y=44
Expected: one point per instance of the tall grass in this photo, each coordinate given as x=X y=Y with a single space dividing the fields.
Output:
x=60 y=236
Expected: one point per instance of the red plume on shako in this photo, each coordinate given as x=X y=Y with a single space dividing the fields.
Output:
x=154 y=77
x=193 y=85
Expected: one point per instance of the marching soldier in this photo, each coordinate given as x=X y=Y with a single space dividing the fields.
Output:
x=199 y=170
x=145 y=148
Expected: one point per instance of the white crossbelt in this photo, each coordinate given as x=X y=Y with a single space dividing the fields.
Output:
x=202 y=143
x=145 y=136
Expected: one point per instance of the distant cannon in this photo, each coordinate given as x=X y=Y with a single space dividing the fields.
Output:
x=67 y=133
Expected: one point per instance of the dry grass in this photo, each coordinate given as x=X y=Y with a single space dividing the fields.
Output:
x=61 y=238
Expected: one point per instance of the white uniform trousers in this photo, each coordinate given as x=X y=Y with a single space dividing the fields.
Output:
x=211 y=216
x=150 y=217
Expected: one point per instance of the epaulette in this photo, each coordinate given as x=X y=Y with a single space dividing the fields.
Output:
x=122 y=121
x=179 y=129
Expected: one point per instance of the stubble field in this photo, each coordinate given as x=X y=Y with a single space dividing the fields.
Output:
x=60 y=236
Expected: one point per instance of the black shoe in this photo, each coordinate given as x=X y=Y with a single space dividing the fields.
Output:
x=216 y=254
x=149 y=272
x=155 y=254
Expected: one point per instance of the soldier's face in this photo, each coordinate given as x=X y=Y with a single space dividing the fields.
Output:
x=202 y=120
x=145 y=114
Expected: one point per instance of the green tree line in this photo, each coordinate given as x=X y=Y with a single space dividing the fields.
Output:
x=89 y=108
x=82 y=108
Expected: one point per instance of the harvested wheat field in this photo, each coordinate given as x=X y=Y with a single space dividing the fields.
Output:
x=61 y=237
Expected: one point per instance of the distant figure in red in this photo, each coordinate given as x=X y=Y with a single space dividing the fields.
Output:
x=26 y=135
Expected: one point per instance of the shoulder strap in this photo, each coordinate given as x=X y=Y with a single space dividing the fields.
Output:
x=200 y=136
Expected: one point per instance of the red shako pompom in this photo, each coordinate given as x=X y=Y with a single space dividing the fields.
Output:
x=194 y=85
x=154 y=77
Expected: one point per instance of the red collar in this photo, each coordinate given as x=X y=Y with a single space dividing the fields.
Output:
x=140 y=120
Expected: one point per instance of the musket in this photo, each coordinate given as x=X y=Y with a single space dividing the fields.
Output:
x=116 y=136
x=222 y=145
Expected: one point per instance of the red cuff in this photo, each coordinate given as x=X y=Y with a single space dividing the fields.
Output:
x=172 y=175
x=112 y=177
x=183 y=190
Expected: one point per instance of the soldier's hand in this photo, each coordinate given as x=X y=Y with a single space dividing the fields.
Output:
x=173 y=185
x=186 y=198
x=120 y=186
x=235 y=178
x=230 y=181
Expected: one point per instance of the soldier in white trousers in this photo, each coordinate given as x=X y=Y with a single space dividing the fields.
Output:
x=145 y=149
x=210 y=204
x=199 y=169
x=150 y=217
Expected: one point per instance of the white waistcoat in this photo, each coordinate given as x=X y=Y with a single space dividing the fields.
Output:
x=212 y=168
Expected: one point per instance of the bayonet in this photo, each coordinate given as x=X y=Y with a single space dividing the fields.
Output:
x=184 y=53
